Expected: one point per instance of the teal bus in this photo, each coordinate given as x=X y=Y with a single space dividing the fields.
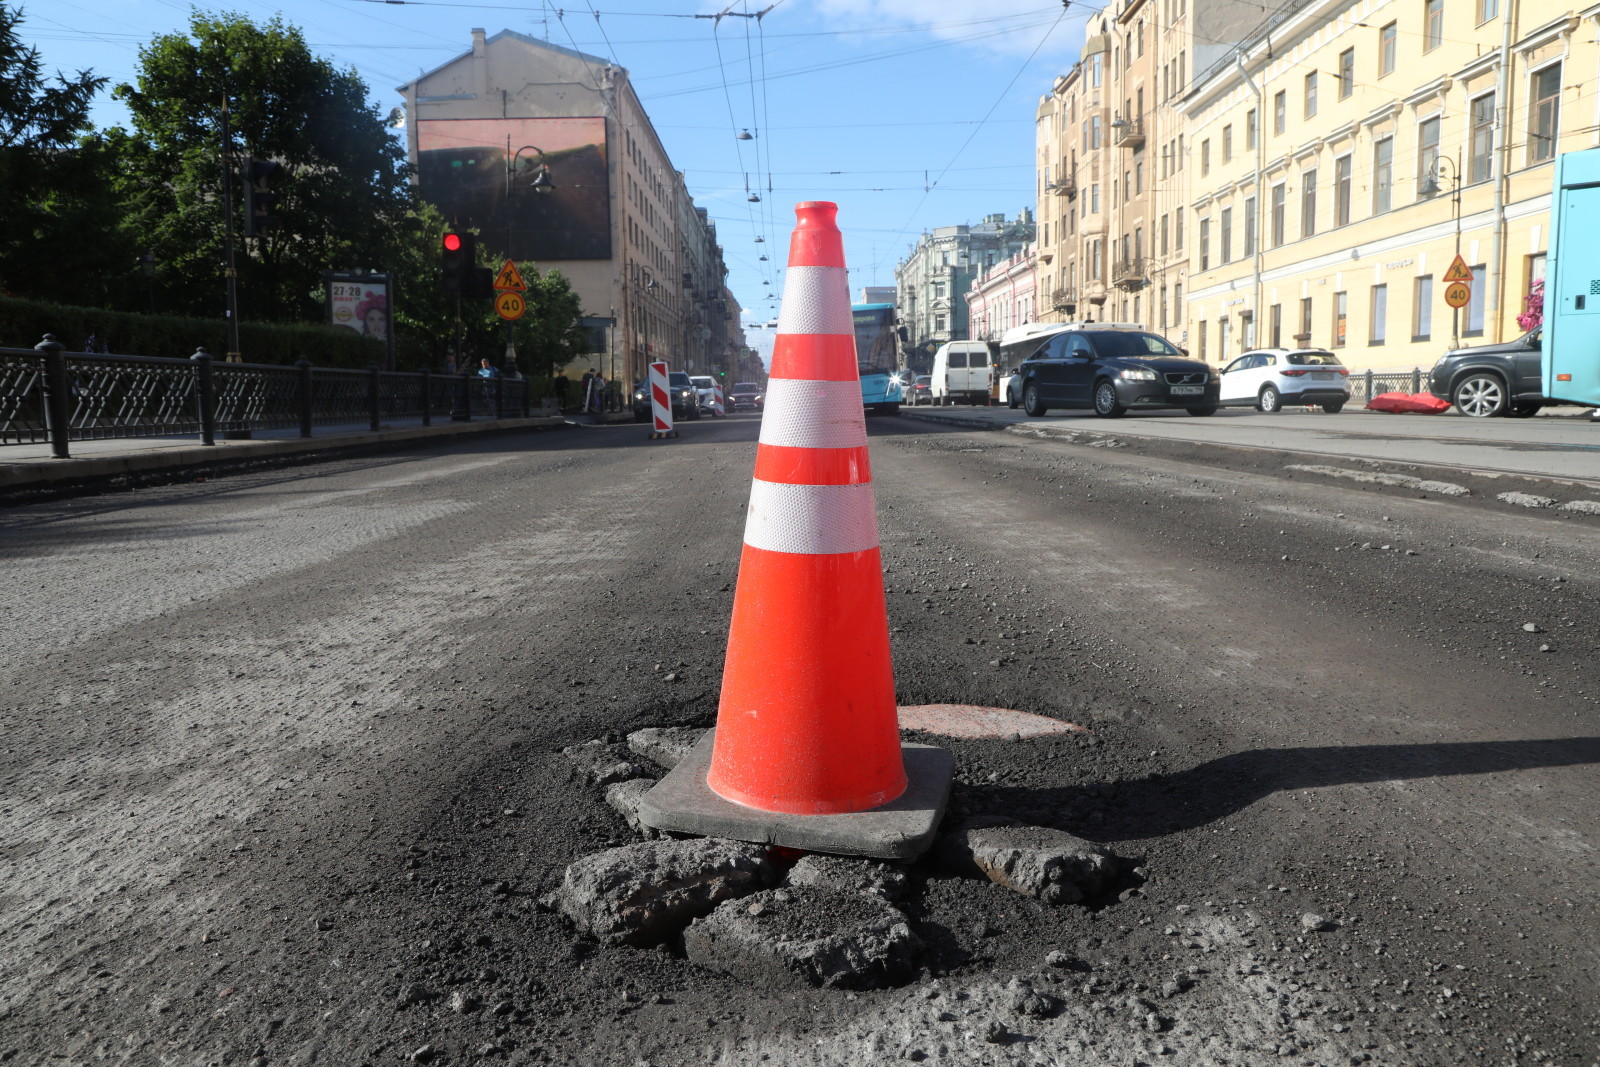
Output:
x=875 y=356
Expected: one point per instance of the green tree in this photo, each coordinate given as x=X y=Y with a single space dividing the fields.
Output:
x=343 y=197
x=40 y=175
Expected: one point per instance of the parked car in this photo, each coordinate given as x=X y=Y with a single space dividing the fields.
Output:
x=685 y=401
x=745 y=396
x=921 y=391
x=1489 y=380
x=1114 y=368
x=1269 y=378
x=1011 y=388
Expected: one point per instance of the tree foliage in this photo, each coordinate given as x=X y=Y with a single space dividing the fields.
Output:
x=343 y=197
x=39 y=121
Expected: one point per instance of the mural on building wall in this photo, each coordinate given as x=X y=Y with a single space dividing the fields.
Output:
x=481 y=173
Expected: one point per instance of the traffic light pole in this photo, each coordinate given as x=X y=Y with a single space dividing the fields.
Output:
x=227 y=237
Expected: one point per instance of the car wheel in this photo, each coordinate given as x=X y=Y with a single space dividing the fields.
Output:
x=1269 y=401
x=1030 y=400
x=1333 y=407
x=1481 y=396
x=1204 y=409
x=1524 y=411
x=1011 y=399
x=1106 y=404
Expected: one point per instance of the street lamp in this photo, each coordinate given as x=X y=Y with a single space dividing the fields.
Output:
x=1446 y=169
x=519 y=169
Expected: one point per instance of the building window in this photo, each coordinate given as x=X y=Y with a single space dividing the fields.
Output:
x=1481 y=163
x=1163 y=309
x=1205 y=157
x=1138 y=177
x=1177 y=228
x=1304 y=335
x=1311 y=95
x=1341 y=191
x=1205 y=244
x=1227 y=143
x=1382 y=174
x=1422 y=309
x=1545 y=114
x=1224 y=327
x=1488 y=9
x=1094 y=198
x=1177 y=304
x=1275 y=326
x=1250 y=226
x=1427 y=155
x=1094 y=69
x=1341 y=317
x=1226 y=255
x=1308 y=203
x=1475 y=307
x=1378 y=325
x=1280 y=110
x=1386 y=43
x=1278 y=197
x=938 y=323
x=1347 y=72
x=1250 y=123
x=1432 y=24
x=1164 y=235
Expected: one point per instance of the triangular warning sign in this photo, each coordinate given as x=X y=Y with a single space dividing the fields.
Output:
x=1458 y=272
x=511 y=278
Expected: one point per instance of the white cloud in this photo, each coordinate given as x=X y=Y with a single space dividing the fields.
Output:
x=1008 y=26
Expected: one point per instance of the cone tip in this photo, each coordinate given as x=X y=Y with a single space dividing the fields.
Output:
x=816 y=213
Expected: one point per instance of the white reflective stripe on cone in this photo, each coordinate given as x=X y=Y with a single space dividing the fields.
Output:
x=807 y=414
x=811 y=520
x=816 y=300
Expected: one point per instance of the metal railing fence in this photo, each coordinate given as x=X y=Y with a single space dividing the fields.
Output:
x=48 y=394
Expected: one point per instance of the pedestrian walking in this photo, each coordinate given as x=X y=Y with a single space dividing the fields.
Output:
x=559 y=388
x=599 y=392
x=450 y=364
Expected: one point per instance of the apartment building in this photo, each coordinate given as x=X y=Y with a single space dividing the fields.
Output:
x=1005 y=295
x=1372 y=141
x=548 y=153
x=1113 y=160
x=932 y=282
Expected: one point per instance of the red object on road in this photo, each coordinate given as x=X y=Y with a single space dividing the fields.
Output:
x=1408 y=404
x=660 y=402
x=807 y=722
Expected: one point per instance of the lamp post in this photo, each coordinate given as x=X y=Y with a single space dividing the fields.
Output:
x=1446 y=169
x=516 y=178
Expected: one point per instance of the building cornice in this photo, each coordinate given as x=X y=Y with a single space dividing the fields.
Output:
x=1347 y=132
x=1386 y=113
x=1437 y=87
x=1481 y=65
x=1543 y=35
x=1310 y=148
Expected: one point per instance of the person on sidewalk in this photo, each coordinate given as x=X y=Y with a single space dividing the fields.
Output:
x=559 y=388
x=599 y=392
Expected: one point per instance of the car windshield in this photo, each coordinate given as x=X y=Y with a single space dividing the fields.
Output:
x=1132 y=343
x=701 y=382
x=1311 y=359
x=679 y=379
x=745 y=387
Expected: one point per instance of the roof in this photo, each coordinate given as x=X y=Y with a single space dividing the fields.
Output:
x=513 y=34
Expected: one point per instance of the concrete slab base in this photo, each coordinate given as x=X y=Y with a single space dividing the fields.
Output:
x=903 y=829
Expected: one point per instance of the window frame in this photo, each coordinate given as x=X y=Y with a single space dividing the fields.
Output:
x=1378 y=314
x=1308 y=202
x=1347 y=72
x=1310 y=95
x=1388 y=46
x=1383 y=174
x=1422 y=308
x=1343 y=175
x=1432 y=24
x=1537 y=109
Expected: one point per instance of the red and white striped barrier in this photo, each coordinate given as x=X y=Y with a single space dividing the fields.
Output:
x=718 y=402
x=660 y=403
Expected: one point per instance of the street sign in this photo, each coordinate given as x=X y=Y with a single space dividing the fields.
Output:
x=510 y=305
x=510 y=278
x=1458 y=272
x=1458 y=294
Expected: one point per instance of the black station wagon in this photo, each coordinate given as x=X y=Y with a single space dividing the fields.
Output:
x=1115 y=369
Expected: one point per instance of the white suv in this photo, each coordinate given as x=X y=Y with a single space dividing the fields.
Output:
x=1269 y=378
x=706 y=388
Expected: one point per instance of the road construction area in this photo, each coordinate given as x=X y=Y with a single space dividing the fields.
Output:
x=294 y=762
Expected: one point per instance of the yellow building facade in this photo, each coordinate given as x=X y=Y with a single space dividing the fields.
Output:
x=1342 y=159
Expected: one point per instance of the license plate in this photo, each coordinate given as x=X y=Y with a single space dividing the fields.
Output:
x=1187 y=390
x=1321 y=375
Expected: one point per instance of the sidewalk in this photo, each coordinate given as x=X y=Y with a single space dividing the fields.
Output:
x=32 y=466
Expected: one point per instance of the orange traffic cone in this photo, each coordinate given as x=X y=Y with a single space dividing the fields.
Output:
x=807 y=723
x=807 y=726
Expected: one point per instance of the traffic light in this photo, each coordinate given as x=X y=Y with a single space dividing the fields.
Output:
x=259 y=199
x=457 y=253
x=480 y=283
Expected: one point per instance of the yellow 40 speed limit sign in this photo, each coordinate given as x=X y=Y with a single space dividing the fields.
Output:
x=1458 y=294
x=509 y=305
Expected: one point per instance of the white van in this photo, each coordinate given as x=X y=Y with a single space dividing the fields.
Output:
x=961 y=370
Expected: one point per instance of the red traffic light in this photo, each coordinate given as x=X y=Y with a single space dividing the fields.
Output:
x=452 y=242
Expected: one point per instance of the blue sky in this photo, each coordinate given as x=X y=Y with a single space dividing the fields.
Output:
x=908 y=113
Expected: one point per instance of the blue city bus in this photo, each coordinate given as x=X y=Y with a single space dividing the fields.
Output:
x=875 y=356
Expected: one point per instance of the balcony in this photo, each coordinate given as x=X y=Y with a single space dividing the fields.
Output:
x=1128 y=275
x=1064 y=300
x=1127 y=133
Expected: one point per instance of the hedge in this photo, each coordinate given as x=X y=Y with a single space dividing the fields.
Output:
x=23 y=324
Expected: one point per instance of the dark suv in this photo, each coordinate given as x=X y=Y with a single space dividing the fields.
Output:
x=1115 y=369
x=685 y=398
x=1489 y=380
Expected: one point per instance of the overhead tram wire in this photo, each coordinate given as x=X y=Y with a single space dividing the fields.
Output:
x=1066 y=6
